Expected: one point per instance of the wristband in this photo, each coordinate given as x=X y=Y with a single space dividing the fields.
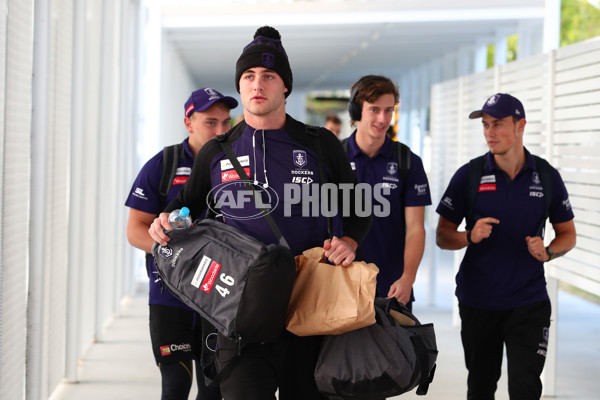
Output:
x=469 y=237
x=550 y=253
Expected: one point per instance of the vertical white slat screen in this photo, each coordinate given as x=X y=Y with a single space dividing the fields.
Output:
x=127 y=167
x=3 y=31
x=59 y=133
x=576 y=153
x=16 y=145
x=57 y=294
x=107 y=163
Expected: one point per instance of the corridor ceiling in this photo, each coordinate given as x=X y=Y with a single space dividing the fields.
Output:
x=332 y=43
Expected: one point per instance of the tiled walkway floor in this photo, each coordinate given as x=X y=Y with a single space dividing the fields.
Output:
x=122 y=367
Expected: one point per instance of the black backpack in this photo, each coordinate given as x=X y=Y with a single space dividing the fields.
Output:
x=474 y=171
x=171 y=156
x=381 y=360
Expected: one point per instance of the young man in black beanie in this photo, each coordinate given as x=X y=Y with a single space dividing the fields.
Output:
x=276 y=151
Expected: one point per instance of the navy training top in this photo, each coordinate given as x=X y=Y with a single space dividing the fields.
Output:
x=384 y=244
x=499 y=273
x=284 y=163
x=144 y=196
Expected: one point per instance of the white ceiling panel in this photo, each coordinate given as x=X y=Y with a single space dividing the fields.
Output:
x=332 y=43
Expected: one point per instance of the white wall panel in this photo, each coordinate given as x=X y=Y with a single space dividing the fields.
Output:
x=176 y=85
x=14 y=261
x=65 y=106
x=59 y=132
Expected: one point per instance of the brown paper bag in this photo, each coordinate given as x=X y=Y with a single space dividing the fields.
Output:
x=328 y=299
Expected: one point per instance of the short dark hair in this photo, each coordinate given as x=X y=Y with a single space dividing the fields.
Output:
x=373 y=87
x=333 y=118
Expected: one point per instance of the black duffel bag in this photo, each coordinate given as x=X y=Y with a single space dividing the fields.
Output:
x=239 y=284
x=381 y=360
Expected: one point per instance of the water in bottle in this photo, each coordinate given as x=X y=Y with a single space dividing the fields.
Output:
x=180 y=218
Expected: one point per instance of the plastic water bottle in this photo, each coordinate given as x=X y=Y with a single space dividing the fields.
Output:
x=180 y=218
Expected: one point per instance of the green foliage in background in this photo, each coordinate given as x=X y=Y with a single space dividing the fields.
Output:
x=580 y=20
x=511 y=51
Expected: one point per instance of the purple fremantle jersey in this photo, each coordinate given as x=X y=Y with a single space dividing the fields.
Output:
x=499 y=272
x=282 y=169
x=384 y=244
x=144 y=196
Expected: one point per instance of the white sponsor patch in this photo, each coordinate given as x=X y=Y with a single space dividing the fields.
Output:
x=421 y=189
x=183 y=171
x=447 y=201
x=139 y=192
x=488 y=179
x=226 y=164
x=201 y=271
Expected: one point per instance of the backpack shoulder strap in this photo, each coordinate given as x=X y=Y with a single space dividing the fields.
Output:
x=169 y=170
x=402 y=154
x=314 y=131
x=545 y=171
x=345 y=144
x=226 y=146
x=474 y=171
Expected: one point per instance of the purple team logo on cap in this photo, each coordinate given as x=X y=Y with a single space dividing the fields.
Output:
x=300 y=158
x=268 y=60
x=211 y=92
x=492 y=100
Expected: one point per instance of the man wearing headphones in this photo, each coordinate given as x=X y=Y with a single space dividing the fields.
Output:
x=395 y=242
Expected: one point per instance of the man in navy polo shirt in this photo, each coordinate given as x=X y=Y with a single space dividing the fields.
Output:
x=395 y=242
x=175 y=330
x=276 y=153
x=500 y=285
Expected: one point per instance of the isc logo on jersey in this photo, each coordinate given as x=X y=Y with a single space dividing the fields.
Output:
x=302 y=179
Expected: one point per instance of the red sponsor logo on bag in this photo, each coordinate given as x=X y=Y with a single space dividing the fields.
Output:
x=232 y=175
x=487 y=187
x=211 y=276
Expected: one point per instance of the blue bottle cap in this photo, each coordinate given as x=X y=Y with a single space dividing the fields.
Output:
x=184 y=212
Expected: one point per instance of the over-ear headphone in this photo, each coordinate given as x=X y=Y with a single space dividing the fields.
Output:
x=355 y=108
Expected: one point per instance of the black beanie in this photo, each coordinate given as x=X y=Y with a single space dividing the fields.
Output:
x=265 y=51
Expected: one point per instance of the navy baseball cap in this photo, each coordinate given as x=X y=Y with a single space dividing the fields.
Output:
x=203 y=98
x=501 y=105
